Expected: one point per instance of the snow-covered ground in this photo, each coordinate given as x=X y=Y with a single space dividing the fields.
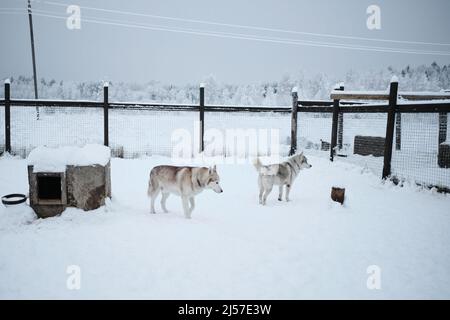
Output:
x=310 y=247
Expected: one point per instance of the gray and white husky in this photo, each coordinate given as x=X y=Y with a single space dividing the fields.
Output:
x=279 y=174
x=185 y=182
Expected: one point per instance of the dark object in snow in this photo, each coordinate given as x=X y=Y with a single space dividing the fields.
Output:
x=14 y=198
x=84 y=187
x=324 y=146
x=367 y=145
x=338 y=194
x=444 y=155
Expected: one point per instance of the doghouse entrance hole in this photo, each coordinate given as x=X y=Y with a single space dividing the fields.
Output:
x=49 y=187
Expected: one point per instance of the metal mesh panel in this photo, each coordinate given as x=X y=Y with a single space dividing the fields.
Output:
x=363 y=138
x=260 y=123
x=417 y=158
x=57 y=126
x=147 y=132
x=314 y=132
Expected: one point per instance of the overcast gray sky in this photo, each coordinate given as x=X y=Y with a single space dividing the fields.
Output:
x=112 y=52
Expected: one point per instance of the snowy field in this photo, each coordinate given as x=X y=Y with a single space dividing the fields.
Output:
x=310 y=247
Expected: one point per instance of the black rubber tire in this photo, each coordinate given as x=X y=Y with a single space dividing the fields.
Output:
x=22 y=199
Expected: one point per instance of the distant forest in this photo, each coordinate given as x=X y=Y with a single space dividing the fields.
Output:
x=420 y=78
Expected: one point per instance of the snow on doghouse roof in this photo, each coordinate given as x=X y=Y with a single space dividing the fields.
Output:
x=46 y=159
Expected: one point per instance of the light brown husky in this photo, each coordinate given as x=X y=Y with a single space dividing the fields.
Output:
x=185 y=182
x=279 y=174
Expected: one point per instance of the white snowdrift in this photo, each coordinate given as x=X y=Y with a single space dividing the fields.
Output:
x=310 y=247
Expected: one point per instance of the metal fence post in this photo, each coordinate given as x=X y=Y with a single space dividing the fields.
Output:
x=105 y=115
x=7 y=117
x=334 y=128
x=294 y=112
x=390 y=129
x=340 y=126
x=202 y=117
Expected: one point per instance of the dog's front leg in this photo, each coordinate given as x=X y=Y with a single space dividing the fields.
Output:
x=261 y=190
x=192 y=202
x=187 y=212
x=164 y=197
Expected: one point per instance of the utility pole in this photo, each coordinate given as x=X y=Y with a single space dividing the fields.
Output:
x=30 y=20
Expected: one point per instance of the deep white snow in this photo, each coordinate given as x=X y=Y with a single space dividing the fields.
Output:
x=310 y=247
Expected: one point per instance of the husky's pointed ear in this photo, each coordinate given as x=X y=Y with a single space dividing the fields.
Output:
x=214 y=168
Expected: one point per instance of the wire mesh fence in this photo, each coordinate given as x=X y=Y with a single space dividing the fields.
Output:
x=57 y=126
x=420 y=153
x=247 y=134
x=313 y=132
x=137 y=132
x=420 y=157
x=363 y=139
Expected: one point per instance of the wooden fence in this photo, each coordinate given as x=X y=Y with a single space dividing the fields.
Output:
x=341 y=102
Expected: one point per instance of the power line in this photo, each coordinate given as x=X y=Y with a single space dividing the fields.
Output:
x=14 y=9
x=247 y=26
x=103 y=21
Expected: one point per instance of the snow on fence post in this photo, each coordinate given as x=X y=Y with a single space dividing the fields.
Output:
x=7 y=117
x=393 y=91
x=294 y=121
x=105 y=114
x=340 y=123
x=334 y=128
x=202 y=116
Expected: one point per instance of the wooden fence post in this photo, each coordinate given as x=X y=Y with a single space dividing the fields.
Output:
x=202 y=117
x=105 y=115
x=294 y=121
x=442 y=127
x=334 y=128
x=390 y=128
x=340 y=125
x=398 y=131
x=7 y=117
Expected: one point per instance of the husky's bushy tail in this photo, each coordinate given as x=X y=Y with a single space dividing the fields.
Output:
x=257 y=164
x=265 y=170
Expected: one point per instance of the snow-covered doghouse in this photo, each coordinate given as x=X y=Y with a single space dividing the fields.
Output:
x=68 y=177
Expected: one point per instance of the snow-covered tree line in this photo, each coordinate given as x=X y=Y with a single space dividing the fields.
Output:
x=420 y=78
